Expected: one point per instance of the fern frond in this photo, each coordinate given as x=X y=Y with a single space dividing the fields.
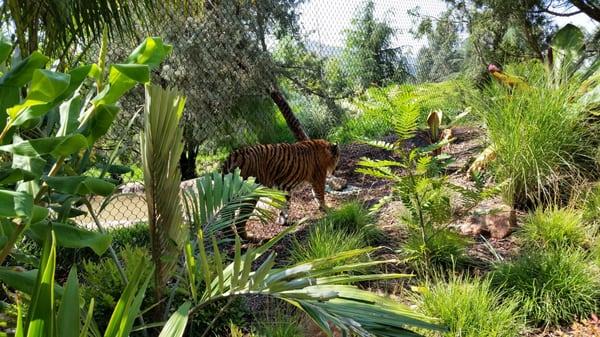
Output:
x=406 y=124
x=380 y=144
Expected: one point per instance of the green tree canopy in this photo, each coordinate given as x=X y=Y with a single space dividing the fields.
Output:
x=369 y=57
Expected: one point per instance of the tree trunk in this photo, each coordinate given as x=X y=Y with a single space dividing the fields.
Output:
x=187 y=162
x=290 y=119
x=590 y=9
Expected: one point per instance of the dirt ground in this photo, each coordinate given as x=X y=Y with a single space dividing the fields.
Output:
x=468 y=143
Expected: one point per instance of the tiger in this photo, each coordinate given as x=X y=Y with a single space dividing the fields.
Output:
x=285 y=166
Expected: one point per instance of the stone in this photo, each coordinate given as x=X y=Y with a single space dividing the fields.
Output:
x=132 y=187
x=336 y=183
x=492 y=219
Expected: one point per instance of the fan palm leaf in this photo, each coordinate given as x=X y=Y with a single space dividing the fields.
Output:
x=314 y=287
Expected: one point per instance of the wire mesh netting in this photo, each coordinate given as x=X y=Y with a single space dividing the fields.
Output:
x=230 y=56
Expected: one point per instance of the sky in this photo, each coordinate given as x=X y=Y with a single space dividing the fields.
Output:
x=325 y=20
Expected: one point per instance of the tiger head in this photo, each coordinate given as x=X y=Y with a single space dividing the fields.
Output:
x=334 y=152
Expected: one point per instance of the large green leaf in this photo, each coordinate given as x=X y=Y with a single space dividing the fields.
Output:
x=22 y=73
x=568 y=46
x=69 y=114
x=15 y=204
x=176 y=324
x=12 y=175
x=72 y=237
x=13 y=80
x=80 y=185
x=5 y=48
x=122 y=78
x=151 y=52
x=23 y=280
x=68 y=319
x=56 y=146
x=45 y=87
x=98 y=121
x=41 y=319
x=33 y=165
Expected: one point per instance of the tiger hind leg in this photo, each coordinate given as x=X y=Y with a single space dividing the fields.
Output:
x=282 y=219
x=243 y=215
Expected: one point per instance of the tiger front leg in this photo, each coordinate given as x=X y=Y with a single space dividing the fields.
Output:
x=319 y=193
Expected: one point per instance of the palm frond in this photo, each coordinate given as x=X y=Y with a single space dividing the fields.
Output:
x=161 y=145
x=314 y=287
x=213 y=204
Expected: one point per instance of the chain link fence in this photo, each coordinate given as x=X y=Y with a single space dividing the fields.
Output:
x=227 y=60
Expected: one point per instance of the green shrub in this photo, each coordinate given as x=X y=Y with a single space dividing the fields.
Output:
x=324 y=240
x=280 y=326
x=472 y=308
x=136 y=235
x=442 y=247
x=591 y=207
x=101 y=280
x=369 y=125
x=353 y=217
x=316 y=117
x=553 y=286
x=554 y=228
x=541 y=139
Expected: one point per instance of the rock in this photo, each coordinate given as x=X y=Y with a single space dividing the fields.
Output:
x=492 y=220
x=501 y=223
x=337 y=184
x=132 y=187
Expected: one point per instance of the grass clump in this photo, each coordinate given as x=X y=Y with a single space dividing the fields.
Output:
x=554 y=228
x=353 y=217
x=440 y=247
x=282 y=326
x=553 y=286
x=541 y=139
x=324 y=239
x=472 y=308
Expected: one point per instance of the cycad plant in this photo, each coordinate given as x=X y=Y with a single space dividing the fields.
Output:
x=423 y=189
x=318 y=289
x=214 y=202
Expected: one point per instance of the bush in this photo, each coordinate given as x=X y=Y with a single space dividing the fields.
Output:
x=591 y=207
x=442 y=247
x=471 y=308
x=369 y=125
x=354 y=218
x=324 y=240
x=554 y=228
x=553 y=286
x=280 y=326
x=540 y=138
x=102 y=281
x=316 y=117
x=136 y=235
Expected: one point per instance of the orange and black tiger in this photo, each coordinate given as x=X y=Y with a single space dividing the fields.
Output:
x=285 y=166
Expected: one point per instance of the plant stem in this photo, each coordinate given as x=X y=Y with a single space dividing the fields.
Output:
x=214 y=320
x=14 y=236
